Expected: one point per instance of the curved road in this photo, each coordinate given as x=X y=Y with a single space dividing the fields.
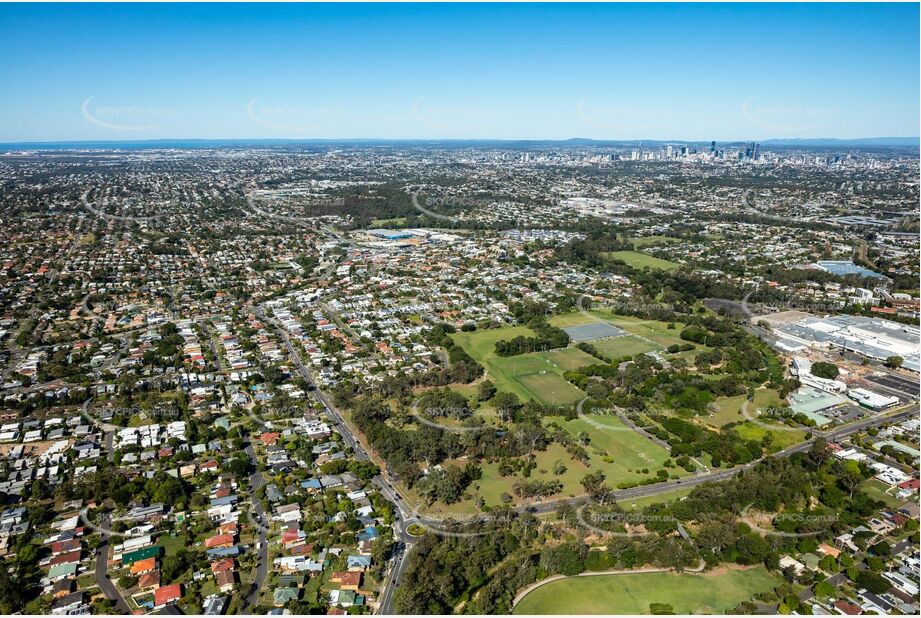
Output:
x=524 y=592
x=388 y=491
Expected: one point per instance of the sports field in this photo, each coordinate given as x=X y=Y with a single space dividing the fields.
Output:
x=652 y=241
x=643 y=335
x=629 y=345
x=537 y=376
x=655 y=331
x=569 y=359
x=687 y=593
x=642 y=260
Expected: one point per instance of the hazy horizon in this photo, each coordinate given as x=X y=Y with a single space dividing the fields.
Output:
x=880 y=141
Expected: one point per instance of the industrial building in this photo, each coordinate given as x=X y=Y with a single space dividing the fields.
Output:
x=872 y=400
x=872 y=337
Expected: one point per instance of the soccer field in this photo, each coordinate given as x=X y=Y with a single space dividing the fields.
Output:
x=687 y=593
x=629 y=345
x=536 y=376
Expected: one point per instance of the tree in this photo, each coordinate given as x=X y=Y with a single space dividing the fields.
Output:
x=818 y=454
x=824 y=589
x=174 y=565
x=894 y=362
x=850 y=476
x=507 y=404
x=127 y=581
x=661 y=609
x=486 y=390
x=534 y=436
x=565 y=559
x=874 y=582
x=717 y=535
x=595 y=486
x=364 y=470
x=238 y=466
x=821 y=369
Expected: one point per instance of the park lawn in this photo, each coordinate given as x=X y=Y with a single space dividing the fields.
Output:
x=642 y=260
x=388 y=222
x=537 y=376
x=651 y=329
x=730 y=411
x=652 y=241
x=628 y=345
x=687 y=593
x=576 y=318
x=481 y=344
x=782 y=438
x=630 y=451
x=467 y=390
x=731 y=407
x=491 y=485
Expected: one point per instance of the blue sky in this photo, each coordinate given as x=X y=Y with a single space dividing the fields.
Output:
x=513 y=71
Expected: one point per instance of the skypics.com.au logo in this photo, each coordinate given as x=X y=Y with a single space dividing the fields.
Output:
x=429 y=205
x=126 y=117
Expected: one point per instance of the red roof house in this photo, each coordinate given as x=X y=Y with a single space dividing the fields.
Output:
x=167 y=594
x=220 y=540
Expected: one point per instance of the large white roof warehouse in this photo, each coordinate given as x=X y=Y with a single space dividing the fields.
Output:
x=873 y=337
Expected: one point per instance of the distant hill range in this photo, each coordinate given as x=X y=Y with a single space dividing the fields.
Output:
x=861 y=141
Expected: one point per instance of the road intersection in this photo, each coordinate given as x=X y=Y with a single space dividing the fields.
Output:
x=409 y=516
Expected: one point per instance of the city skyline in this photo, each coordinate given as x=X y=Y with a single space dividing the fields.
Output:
x=691 y=73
